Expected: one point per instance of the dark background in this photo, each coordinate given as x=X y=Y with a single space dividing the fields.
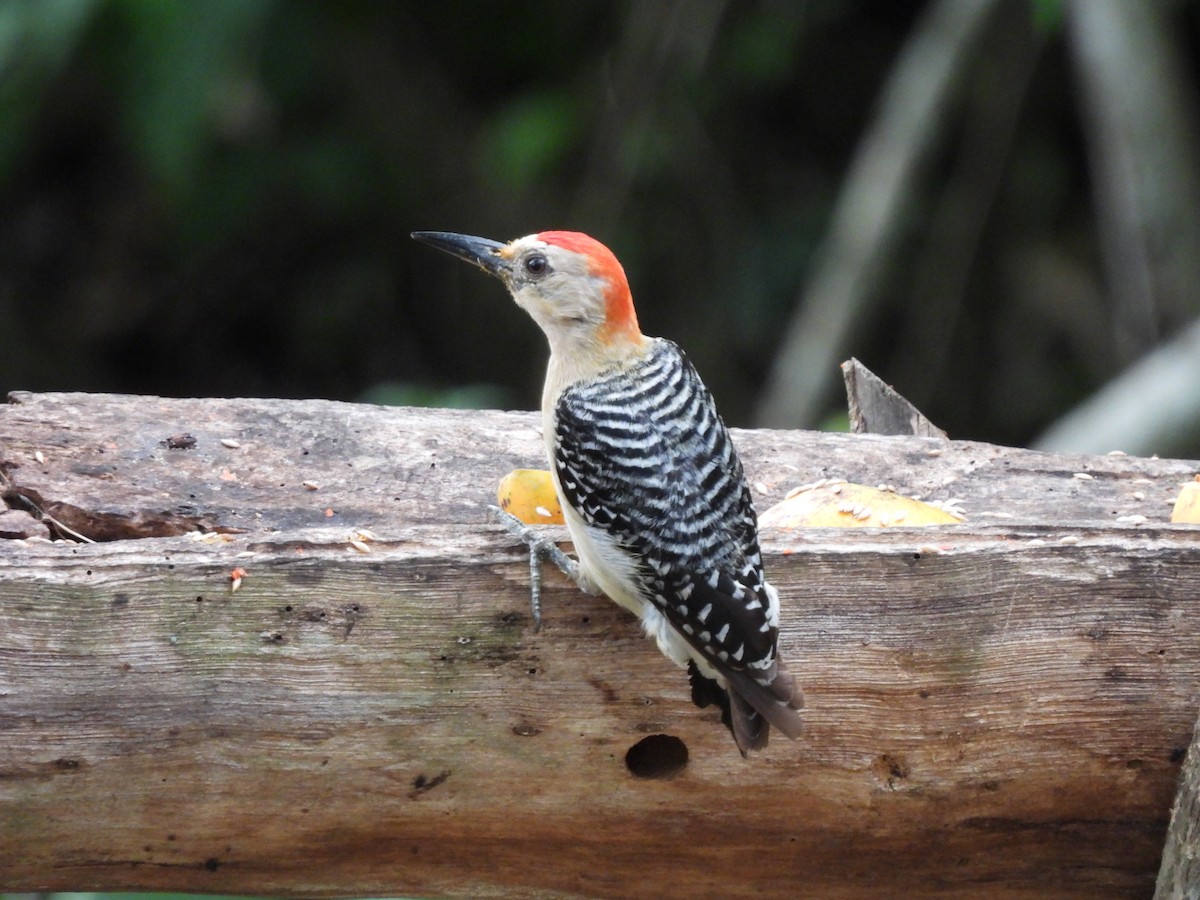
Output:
x=214 y=198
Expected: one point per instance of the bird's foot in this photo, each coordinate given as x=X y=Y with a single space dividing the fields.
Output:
x=540 y=548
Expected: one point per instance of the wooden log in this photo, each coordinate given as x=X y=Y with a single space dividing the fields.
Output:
x=1179 y=871
x=877 y=408
x=995 y=709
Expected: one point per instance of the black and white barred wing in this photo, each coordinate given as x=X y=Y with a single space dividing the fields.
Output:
x=642 y=454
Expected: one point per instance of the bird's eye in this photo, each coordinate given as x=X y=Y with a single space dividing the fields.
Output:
x=536 y=264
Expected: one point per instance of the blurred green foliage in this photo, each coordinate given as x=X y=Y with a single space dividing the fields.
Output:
x=213 y=198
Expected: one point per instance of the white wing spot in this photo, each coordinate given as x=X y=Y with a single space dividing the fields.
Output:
x=703 y=614
x=722 y=633
x=739 y=652
x=714 y=578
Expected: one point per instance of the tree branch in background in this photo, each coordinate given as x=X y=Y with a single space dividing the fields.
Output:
x=949 y=249
x=866 y=224
x=1142 y=137
x=657 y=38
x=1152 y=407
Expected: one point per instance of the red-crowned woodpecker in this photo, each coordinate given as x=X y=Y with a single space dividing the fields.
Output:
x=651 y=486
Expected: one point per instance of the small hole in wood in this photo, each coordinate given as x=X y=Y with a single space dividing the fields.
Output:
x=657 y=756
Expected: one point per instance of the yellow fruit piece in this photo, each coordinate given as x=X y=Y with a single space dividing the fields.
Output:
x=840 y=504
x=529 y=495
x=1187 y=504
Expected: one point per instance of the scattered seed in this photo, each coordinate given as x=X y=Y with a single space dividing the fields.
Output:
x=1084 y=476
x=1116 y=453
x=209 y=537
x=39 y=457
x=1131 y=520
x=1069 y=539
x=311 y=485
x=1139 y=495
x=360 y=546
x=953 y=506
x=543 y=512
x=761 y=488
x=231 y=443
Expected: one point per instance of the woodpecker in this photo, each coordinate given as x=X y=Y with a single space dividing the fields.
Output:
x=652 y=489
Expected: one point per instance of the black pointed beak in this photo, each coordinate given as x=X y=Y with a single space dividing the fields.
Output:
x=479 y=251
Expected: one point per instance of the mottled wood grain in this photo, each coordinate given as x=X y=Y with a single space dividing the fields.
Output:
x=995 y=709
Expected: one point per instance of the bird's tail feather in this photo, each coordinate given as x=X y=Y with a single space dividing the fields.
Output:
x=749 y=708
x=775 y=697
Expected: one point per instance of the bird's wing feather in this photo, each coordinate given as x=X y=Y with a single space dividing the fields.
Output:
x=642 y=454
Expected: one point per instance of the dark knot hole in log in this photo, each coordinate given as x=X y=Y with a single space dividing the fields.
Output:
x=657 y=756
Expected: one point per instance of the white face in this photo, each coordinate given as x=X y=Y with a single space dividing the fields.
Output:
x=556 y=287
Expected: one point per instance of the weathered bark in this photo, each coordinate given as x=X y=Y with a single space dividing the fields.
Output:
x=994 y=709
x=1179 y=873
x=877 y=408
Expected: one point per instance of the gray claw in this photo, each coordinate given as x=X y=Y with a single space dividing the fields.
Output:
x=540 y=548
